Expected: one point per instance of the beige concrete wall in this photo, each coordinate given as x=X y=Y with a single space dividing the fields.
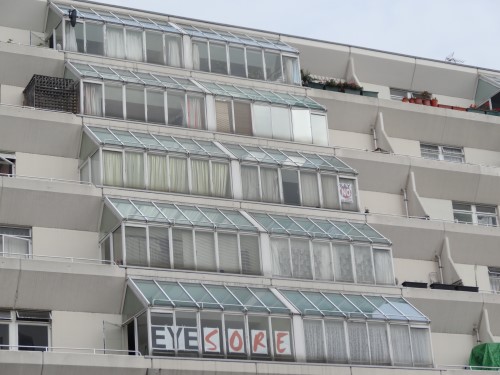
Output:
x=482 y=157
x=414 y=270
x=11 y=35
x=341 y=138
x=383 y=91
x=483 y=278
x=65 y=243
x=11 y=95
x=450 y=100
x=35 y=165
x=81 y=330
x=405 y=146
x=467 y=273
x=439 y=209
x=452 y=349
x=384 y=203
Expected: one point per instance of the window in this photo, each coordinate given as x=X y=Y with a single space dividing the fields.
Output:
x=113 y=100
x=15 y=241
x=446 y=153
x=154 y=48
x=25 y=330
x=7 y=164
x=494 y=273
x=324 y=260
x=475 y=214
x=94 y=38
x=237 y=61
x=191 y=249
x=399 y=94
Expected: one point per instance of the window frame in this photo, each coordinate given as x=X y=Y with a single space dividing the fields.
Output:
x=475 y=213
x=28 y=238
x=441 y=153
x=13 y=324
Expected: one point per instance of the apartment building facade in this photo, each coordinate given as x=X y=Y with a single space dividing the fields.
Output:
x=179 y=196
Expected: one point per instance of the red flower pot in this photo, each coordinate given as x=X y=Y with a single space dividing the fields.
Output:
x=412 y=100
x=405 y=100
x=426 y=101
x=434 y=102
x=418 y=101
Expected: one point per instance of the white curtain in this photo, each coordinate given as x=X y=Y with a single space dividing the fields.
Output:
x=313 y=332
x=134 y=166
x=250 y=182
x=174 y=52
x=309 y=185
x=358 y=342
x=158 y=179
x=342 y=263
x=291 y=68
x=92 y=99
x=363 y=261
x=113 y=168
x=71 y=44
x=195 y=112
x=322 y=261
x=330 y=191
x=115 y=43
x=220 y=179
x=270 y=185
x=15 y=245
x=420 y=342
x=379 y=344
x=134 y=45
x=200 y=177
x=383 y=266
x=281 y=257
x=335 y=341
x=178 y=175
x=196 y=57
x=400 y=343
x=301 y=259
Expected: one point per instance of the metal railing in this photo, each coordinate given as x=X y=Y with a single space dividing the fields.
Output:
x=64 y=259
x=61 y=349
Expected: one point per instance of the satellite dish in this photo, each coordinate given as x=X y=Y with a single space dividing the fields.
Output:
x=451 y=58
x=72 y=17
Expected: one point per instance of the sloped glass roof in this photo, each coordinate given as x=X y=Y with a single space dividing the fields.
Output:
x=353 y=306
x=125 y=19
x=273 y=97
x=125 y=138
x=319 y=228
x=487 y=87
x=206 y=296
x=290 y=158
x=131 y=209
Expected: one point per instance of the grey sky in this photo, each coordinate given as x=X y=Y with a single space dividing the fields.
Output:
x=426 y=28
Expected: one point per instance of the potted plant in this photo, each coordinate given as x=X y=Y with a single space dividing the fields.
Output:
x=373 y=94
x=426 y=97
x=352 y=88
x=306 y=77
x=405 y=100
x=442 y=286
x=333 y=85
x=414 y=284
x=434 y=102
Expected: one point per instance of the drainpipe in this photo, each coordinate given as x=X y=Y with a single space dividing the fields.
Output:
x=405 y=199
x=440 y=266
x=374 y=132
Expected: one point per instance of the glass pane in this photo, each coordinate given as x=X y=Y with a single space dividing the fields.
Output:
x=315 y=345
x=221 y=183
x=117 y=247
x=134 y=45
x=282 y=337
x=342 y=263
x=463 y=217
x=281 y=257
x=14 y=245
x=142 y=334
x=33 y=337
x=235 y=336
x=190 y=345
x=95 y=38
x=159 y=247
x=195 y=112
x=200 y=177
x=237 y=61
x=323 y=267
x=228 y=252
x=158 y=179
x=134 y=169
x=173 y=46
x=273 y=66
x=262 y=121
x=115 y=42
x=282 y=125
x=135 y=243
x=401 y=347
x=92 y=99
x=205 y=251
x=420 y=341
x=358 y=343
x=486 y=220
x=336 y=347
x=154 y=48
x=211 y=330
x=364 y=266
x=301 y=126
x=159 y=333
x=291 y=194
x=330 y=191
x=301 y=259
x=178 y=175
x=348 y=195
x=408 y=310
x=291 y=70
x=224 y=116
x=379 y=344
x=319 y=129
x=247 y=299
x=242 y=118
x=250 y=182
x=176 y=104
x=218 y=58
x=113 y=101
x=255 y=65
x=113 y=168
x=200 y=56
x=309 y=189
x=250 y=255
x=383 y=266
x=182 y=241
x=4 y=336
x=156 y=107
x=259 y=336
